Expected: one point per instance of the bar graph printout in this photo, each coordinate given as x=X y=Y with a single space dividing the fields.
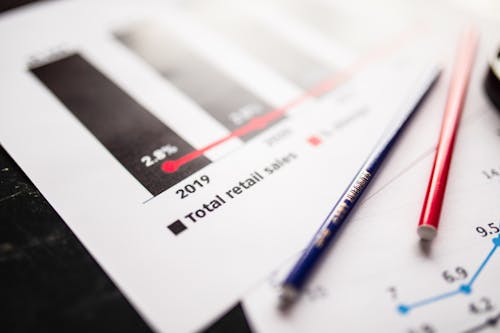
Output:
x=203 y=143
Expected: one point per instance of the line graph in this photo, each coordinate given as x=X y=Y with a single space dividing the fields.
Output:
x=464 y=289
x=260 y=122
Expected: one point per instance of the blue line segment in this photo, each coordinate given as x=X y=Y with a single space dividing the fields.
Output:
x=485 y=261
x=465 y=289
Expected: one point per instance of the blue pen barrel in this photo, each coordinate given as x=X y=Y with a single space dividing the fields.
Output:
x=310 y=257
x=326 y=233
x=296 y=279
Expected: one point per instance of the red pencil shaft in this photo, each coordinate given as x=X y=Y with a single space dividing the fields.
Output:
x=457 y=92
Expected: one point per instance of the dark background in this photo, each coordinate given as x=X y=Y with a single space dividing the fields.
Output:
x=48 y=280
x=9 y=4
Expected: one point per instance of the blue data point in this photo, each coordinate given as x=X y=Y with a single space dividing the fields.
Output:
x=403 y=309
x=466 y=289
x=496 y=241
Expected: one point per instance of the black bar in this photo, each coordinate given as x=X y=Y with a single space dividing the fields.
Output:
x=135 y=137
x=214 y=91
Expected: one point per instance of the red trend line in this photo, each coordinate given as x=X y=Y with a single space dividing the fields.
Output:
x=261 y=122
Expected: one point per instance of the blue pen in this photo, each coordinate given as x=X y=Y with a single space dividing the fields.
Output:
x=333 y=222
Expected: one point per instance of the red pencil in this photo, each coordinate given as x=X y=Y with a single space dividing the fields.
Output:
x=429 y=218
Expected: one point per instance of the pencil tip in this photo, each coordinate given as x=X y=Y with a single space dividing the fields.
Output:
x=426 y=232
x=287 y=297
